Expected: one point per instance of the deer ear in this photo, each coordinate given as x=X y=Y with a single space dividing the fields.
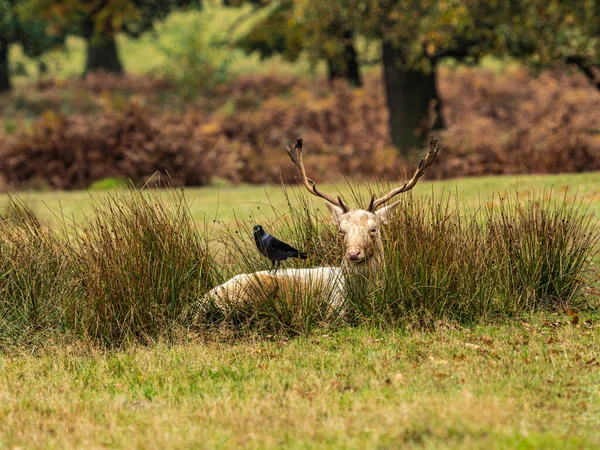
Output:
x=335 y=211
x=386 y=213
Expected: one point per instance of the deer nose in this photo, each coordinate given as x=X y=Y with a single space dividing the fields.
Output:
x=354 y=255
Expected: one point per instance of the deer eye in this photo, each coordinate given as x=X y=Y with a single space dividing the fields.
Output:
x=373 y=231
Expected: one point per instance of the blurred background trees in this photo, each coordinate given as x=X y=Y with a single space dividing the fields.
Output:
x=321 y=31
x=405 y=45
x=98 y=22
x=31 y=33
x=415 y=36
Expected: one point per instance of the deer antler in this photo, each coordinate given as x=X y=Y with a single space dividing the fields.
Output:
x=408 y=185
x=295 y=152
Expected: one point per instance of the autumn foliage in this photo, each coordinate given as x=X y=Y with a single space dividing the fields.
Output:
x=108 y=126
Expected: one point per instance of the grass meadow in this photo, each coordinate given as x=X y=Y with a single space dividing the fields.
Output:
x=531 y=383
x=486 y=334
x=226 y=203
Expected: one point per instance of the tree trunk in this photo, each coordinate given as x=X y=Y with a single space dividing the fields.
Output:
x=346 y=66
x=4 y=74
x=101 y=52
x=102 y=55
x=409 y=93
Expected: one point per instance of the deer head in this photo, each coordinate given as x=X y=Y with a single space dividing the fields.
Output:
x=361 y=228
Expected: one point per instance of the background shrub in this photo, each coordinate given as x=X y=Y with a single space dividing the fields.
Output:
x=131 y=128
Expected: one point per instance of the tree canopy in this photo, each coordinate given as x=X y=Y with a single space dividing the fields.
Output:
x=417 y=34
x=99 y=21
x=290 y=30
x=31 y=33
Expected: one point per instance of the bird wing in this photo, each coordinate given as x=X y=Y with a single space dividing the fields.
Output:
x=276 y=244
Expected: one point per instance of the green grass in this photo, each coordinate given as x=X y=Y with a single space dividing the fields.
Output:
x=530 y=381
x=133 y=267
x=529 y=384
x=261 y=202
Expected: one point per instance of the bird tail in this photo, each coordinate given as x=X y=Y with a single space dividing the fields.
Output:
x=302 y=255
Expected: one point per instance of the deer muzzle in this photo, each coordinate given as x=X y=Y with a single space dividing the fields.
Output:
x=355 y=255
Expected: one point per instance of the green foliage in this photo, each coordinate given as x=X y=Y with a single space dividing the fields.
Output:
x=544 y=33
x=277 y=33
x=320 y=31
x=30 y=32
x=99 y=22
x=89 y=17
x=108 y=183
x=538 y=32
x=196 y=60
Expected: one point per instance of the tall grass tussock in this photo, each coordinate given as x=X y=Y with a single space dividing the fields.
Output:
x=138 y=268
x=140 y=262
x=36 y=278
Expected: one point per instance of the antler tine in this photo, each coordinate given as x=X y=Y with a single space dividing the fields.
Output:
x=408 y=185
x=371 y=203
x=295 y=153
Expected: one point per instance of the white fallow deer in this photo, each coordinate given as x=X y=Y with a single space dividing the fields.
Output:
x=363 y=255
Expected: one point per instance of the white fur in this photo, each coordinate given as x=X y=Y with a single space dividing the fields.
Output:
x=361 y=231
x=238 y=288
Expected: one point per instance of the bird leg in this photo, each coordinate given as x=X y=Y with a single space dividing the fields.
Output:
x=277 y=266
x=272 y=266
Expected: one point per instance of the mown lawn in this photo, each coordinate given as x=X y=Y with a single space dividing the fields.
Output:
x=263 y=202
x=533 y=383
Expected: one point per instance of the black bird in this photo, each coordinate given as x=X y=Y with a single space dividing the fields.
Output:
x=273 y=248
